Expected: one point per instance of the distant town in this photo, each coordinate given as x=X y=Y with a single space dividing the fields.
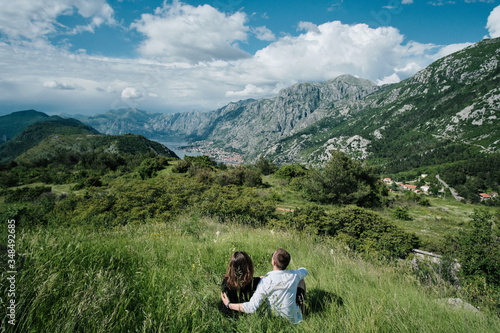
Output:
x=219 y=155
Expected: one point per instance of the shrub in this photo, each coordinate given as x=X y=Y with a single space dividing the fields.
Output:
x=182 y=166
x=365 y=230
x=401 y=213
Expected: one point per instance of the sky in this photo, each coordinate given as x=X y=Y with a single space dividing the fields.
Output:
x=91 y=56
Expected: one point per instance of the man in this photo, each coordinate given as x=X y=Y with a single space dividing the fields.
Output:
x=281 y=289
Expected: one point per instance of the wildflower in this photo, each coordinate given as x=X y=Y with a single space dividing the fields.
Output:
x=217 y=233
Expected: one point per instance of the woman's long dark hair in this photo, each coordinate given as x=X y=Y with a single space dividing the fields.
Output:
x=240 y=271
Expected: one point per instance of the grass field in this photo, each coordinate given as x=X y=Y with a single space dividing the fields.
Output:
x=165 y=276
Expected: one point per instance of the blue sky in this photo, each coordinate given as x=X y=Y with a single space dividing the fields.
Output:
x=89 y=56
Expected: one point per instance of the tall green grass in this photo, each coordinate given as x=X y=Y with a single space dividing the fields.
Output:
x=165 y=276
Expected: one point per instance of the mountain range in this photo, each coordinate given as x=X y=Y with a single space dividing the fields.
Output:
x=444 y=112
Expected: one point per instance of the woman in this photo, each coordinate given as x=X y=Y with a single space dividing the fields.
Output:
x=238 y=283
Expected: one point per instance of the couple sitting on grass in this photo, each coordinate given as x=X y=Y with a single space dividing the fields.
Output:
x=283 y=290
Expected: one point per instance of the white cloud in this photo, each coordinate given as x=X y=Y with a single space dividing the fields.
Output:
x=407 y=2
x=331 y=49
x=493 y=24
x=264 y=33
x=250 y=90
x=34 y=20
x=336 y=4
x=394 y=78
x=61 y=85
x=180 y=32
x=131 y=93
x=449 y=49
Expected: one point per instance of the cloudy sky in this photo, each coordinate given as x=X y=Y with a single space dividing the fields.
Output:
x=90 y=56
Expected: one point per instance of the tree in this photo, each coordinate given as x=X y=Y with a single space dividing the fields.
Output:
x=289 y=171
x=343 y=181
x=265 y=167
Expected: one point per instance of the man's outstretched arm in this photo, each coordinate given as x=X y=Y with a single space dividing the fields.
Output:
x=232 y=306
x=252 y=305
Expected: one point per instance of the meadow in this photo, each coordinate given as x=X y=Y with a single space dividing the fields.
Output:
x=165 y=276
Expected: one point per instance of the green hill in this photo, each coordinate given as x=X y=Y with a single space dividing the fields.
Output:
x=33 y=134
x=57 y=145
x=13 y=123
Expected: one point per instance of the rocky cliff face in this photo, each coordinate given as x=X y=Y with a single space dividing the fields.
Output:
x=258 y=125
x=454 y=101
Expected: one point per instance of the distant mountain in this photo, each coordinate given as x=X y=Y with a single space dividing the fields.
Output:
x=245 y=125
x=15 y=122
x=448 y=111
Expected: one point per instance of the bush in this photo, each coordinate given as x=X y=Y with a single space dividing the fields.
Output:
x=401 y=213
x=478 y=252
x=366 y=231
x=228 y=203
x=241 y=175
x=182 y=166
x=363 y=230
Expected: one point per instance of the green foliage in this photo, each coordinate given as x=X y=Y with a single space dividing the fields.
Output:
x=150 y=166
x=90 y=181
x=470 y=177
x=203 y=161
x=35 y=133
x=343 y=181
x=240 y=175
x=366 y=231
x=182 y=166
x=265 y=166
x=478 y=252
x=401 y=213
x=230 y=203
x=289 y=171
x=13 y=123
x=362 y=229
x=26 y=194
x=414 y=198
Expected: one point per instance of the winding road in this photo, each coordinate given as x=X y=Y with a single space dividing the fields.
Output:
x=455 y=194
